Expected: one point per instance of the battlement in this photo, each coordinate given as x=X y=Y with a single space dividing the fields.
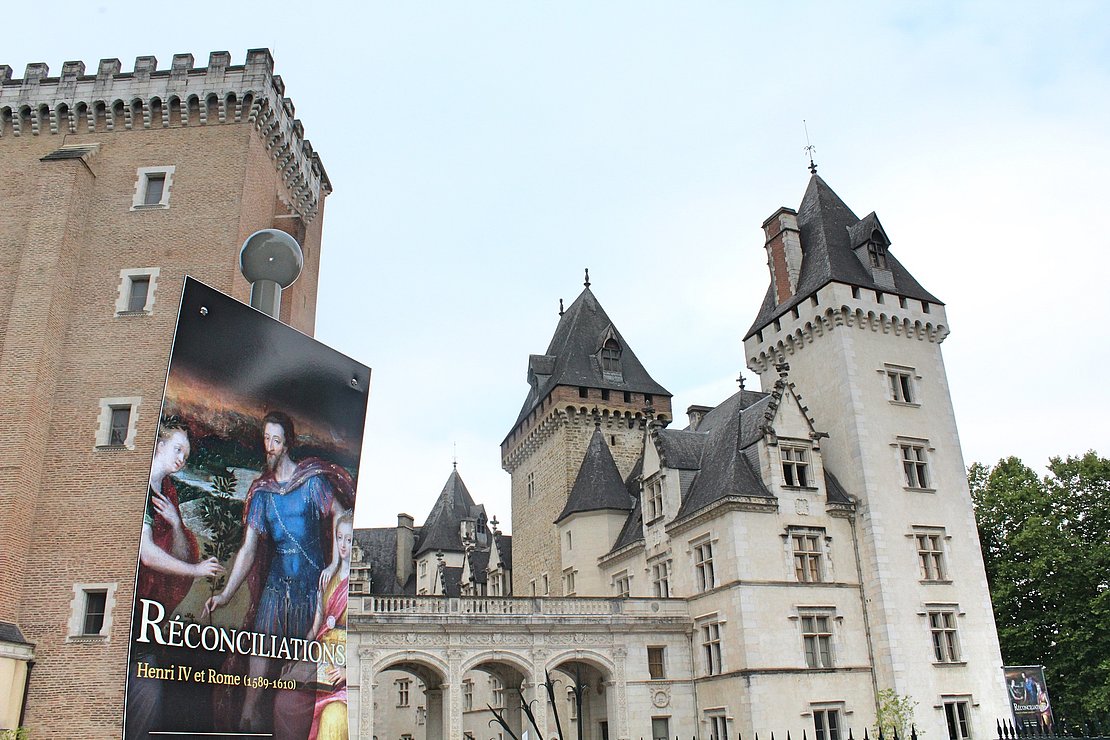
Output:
x=183 y=95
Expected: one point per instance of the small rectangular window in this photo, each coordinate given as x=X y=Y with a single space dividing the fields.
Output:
x=660 y=728
x=656 y=661
x=718 y=727
x=826 y=724
x=136 y=299
x=96 y=603
x=807 y=556
x=795 y=466
x=900 y=384
x=604 y=394
x=661 y=579
x=914 y=465
x=647 y=399
x=703 y=566
x=121 y=421
x=946 y=644
x=711 y=647
x=583 y=392
x=403 y=686
x=155 y=185
x=817 y=640
x=956 y=713
x=622 y=584
x=930 y=554
x=627 y=397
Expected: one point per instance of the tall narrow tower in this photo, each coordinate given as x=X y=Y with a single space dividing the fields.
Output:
x=115 y=185
x=862 y=338
x=588 y=379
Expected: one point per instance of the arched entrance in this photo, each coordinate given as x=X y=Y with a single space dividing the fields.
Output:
x=398 y=681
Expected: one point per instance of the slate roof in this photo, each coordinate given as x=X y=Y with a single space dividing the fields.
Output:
x=451 y=578
x=571 y=358
x=828 y=228
x=504 y=546
x=441 y=529
x=835 y=492
x=379 y=548
x=680 y=449
x=599 y=486
x=11 y=634
x=633 y=529
x=727 y=467
x=479 y=561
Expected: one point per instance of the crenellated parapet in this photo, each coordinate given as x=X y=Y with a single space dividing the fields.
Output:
x=181 y=96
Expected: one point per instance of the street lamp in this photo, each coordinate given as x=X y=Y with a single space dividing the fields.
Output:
x=270 y=260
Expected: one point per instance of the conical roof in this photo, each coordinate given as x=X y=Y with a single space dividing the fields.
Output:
x=599 y=485
x=441 y=530
x=573 y=356
x=827 y=226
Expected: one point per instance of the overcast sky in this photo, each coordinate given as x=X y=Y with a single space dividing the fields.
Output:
x=484 y=153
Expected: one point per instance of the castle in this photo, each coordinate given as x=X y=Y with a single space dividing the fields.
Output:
x=773 y=566
x=782 y=563
x=115 y=184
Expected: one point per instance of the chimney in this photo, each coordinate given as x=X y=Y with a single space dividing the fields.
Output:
x=405 y=543
x=784 y=252
x=695 y=414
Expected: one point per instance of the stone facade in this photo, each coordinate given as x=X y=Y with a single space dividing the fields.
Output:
x=80 y=154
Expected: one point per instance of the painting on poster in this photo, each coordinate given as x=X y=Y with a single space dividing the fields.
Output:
x=239 y=623
x=1029 y=700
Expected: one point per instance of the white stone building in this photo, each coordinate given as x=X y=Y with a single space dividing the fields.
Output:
x=771 y=567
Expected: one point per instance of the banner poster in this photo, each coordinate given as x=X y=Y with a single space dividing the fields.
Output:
x=239 y=625
x=1028 y=697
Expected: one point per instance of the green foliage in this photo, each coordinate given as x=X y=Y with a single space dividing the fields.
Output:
x=223 y=515
x=20 y=733
x=1047 y=555
x=895 y=713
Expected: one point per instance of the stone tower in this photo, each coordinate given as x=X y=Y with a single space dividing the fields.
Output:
x=862 y=338
x=115 y=185
x=588 y=379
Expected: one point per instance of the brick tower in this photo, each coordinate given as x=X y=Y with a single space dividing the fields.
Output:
x=115 y=185
x=588 y=379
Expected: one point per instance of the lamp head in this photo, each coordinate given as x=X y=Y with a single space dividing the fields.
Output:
x=271 y=255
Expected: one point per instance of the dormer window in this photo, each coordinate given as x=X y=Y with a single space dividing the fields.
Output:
x=611 y=357
x=876 y=251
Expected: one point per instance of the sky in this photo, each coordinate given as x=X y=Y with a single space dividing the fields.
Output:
x=484 y=153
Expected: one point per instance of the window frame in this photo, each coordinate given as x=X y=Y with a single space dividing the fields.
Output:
x=622 y=584
x=932 y=557
x=143 y=178
x=944 y=633
x=795 y=461
x=901 y=380
x=105 y=418
x=657 y=669
x=79 y=612
x=712 y=653
x=914 y=456
x=817 y=638
x=127 y=278
x=815 y=558
x=822 y=728
x=653 y=499
x=957 y=717
x=666 y=728
x=404 y=691
x=705 y=573
x=661 y=578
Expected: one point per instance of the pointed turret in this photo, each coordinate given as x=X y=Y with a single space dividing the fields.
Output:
x=454 y=511
x=824 y=242
x=599 y=486
x=587 y=351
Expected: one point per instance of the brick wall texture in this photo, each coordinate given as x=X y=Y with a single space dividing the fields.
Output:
x=71 y=513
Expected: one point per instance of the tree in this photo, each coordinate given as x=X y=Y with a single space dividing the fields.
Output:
x=1046 y=547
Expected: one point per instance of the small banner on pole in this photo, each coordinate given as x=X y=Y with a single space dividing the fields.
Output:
x=1029 y=701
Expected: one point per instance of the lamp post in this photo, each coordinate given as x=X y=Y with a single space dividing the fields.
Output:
x=270 y=260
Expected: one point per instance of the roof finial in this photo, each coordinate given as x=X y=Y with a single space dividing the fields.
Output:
x=809 y=149
x=587 y=283
x=740 y=380
x=560 y=306
x=454 y=455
